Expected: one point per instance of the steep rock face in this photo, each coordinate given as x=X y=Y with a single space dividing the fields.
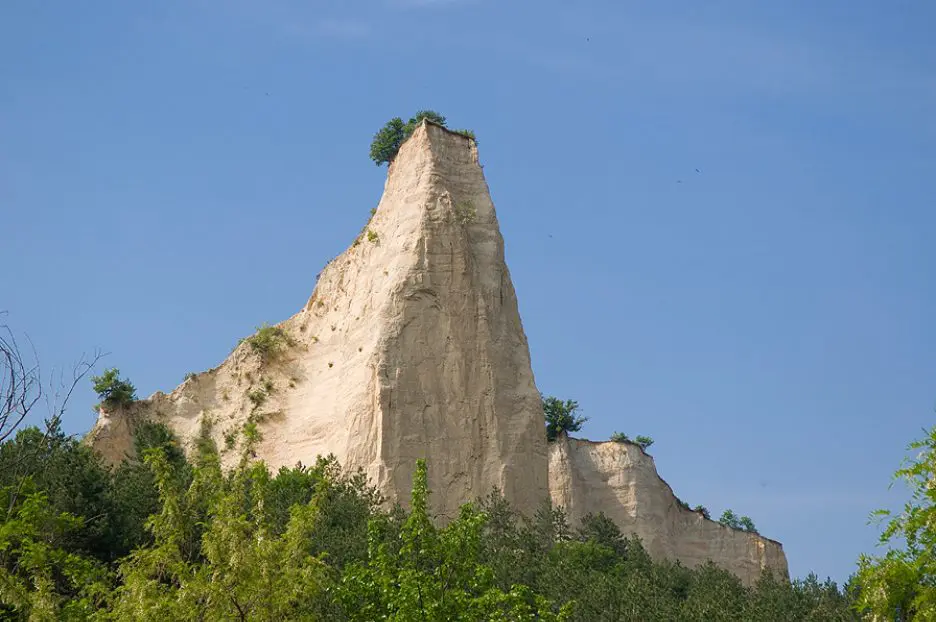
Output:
x=621 y=480
x=411 y=346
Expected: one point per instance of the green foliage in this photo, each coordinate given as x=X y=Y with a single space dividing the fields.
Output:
x=388 y=140
x=372 y=236
x=701 y=509
x=904 y=579
x=434 y=574
x=729 y=519
x=233 y=565
x=72 y=480
x=257 y=397
x=315 y=543
x=742 y=523
x=747 y=524
x=465 y=213
x=561 y=417
x=268 y=342
x=39 y=578
x=431 y=115
x=601 y=530
x=65 y=516
x=189 y=376
x=644 y=442
x=112 y=390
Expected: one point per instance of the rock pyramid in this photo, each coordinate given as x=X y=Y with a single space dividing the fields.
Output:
x=411 y=346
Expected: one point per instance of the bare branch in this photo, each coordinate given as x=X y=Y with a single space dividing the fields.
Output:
x=20 y=382
x=21 y=389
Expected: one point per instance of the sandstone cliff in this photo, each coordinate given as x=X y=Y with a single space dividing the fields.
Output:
x=621 y=480
x=411 y=346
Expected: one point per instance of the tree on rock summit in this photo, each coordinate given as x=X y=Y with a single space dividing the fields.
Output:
x=390 y=137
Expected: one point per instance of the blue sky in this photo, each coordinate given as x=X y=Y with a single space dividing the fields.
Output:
x=174 y=173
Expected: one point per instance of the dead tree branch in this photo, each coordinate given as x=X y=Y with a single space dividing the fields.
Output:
x=20 y=382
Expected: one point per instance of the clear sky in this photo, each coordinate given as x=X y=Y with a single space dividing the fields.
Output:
x=175 y=172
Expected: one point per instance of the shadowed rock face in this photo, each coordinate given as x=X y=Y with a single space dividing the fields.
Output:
x=411 y=346
x=621 y=480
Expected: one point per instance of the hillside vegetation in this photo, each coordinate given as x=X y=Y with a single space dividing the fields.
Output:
x=162 y=538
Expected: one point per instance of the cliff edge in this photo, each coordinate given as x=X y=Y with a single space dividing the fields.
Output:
x=621 y=480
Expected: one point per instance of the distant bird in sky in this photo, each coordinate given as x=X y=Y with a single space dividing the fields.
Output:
x=698 y=171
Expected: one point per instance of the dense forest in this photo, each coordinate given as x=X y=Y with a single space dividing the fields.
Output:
x=166 y=536
x=160 y=537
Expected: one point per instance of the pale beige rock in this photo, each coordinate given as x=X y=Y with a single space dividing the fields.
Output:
x=621 y=480
x=411 y=346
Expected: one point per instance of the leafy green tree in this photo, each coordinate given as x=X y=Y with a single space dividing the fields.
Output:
x=436 y=574
x=134 y=495
x=431 y=115
x=215 y=555
x=388 y=140
x=114 y=391
x=313 y=543
x=601 y=530
x=714 y=596
x=904 y=579
x=701 y=509
x=730 y=519
x=644 y=442
x=620 y=437
x=345 y=504
x=72 y=479
x=746 y=524
x=39 y=578
x=561 y=417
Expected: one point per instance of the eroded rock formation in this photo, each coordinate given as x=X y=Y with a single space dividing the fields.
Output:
x=621 y=480
x=411 y=346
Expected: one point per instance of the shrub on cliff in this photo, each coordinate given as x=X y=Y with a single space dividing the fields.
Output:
x=113 y=390
x=561 y=417
x=742 y=523
x=387 y=141
x=390 y=137
x=644 y=441
x=268 y=342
